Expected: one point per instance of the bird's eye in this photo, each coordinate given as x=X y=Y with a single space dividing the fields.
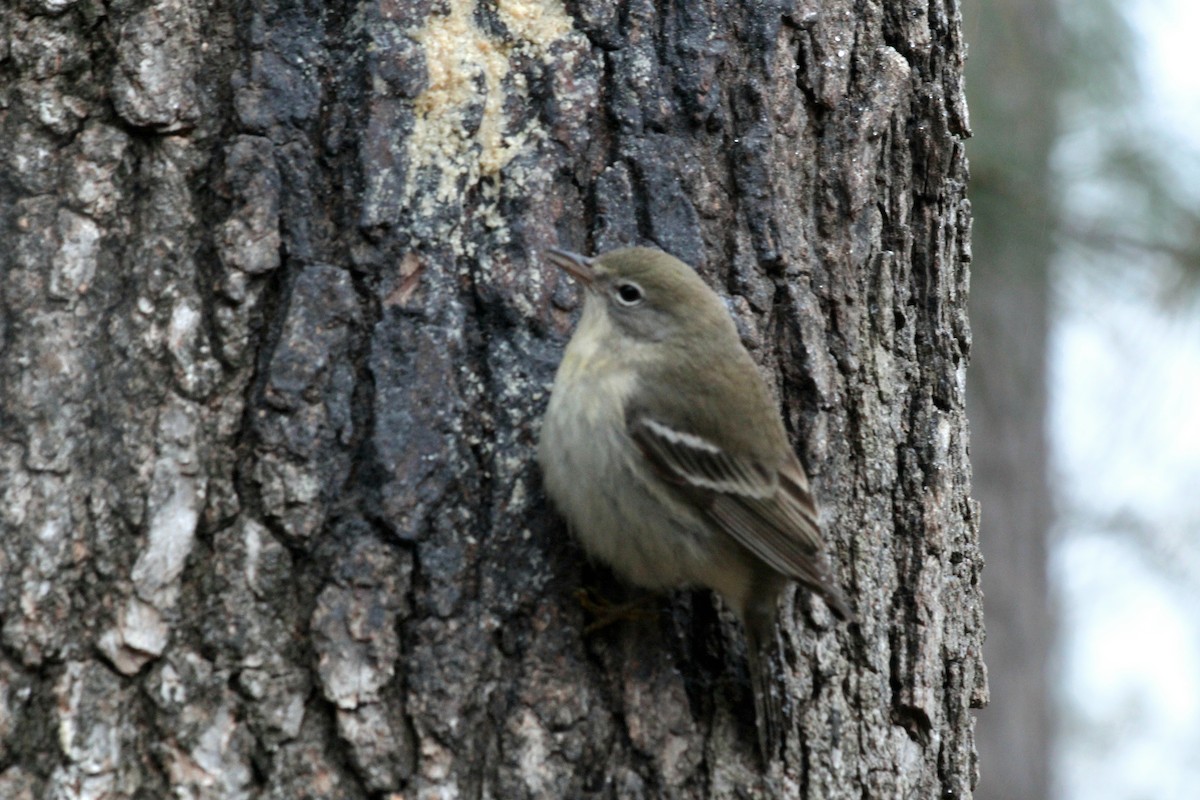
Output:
x=629 y=294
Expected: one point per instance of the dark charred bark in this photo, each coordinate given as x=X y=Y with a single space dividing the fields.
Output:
x=277 y=336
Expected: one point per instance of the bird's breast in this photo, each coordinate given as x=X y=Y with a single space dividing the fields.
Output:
x=599 y=480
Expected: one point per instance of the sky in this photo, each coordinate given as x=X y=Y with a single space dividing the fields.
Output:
x=1125 y=437
x=1124 y=562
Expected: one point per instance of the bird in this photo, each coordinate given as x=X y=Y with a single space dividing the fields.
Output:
x=666 y=453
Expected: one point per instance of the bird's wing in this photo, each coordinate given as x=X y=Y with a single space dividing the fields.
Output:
x=768 y=509
x=693 y=461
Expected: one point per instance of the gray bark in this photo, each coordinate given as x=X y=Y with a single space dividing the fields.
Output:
x=276 y=341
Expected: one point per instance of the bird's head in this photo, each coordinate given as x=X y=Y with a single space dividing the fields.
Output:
x=645 y=294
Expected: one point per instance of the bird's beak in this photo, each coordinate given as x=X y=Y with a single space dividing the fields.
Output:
x=579 y=267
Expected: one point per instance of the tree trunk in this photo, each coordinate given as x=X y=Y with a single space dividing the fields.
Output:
x=1014 y=69
x=277 y=338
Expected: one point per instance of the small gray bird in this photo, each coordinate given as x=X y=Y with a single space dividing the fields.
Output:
x=665 y=451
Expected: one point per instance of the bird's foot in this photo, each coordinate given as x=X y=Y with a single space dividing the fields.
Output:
x=605 y=612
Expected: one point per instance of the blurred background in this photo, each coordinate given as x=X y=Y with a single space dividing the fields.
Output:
x=1084 y=394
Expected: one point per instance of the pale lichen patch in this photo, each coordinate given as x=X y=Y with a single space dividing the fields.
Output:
x=535 y=21
x=462 y=128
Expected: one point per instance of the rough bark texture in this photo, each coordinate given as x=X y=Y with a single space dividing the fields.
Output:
x=277 y=338
x=1013 y=75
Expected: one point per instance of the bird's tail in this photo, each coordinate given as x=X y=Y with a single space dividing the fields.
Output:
x=762 y=647
x=833 y=598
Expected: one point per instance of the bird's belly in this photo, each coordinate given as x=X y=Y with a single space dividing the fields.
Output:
x=592 y=473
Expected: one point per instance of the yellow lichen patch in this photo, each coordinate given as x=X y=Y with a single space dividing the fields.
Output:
x=467 y=69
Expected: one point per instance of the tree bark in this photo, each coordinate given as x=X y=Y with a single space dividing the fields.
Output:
x=277 y=336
